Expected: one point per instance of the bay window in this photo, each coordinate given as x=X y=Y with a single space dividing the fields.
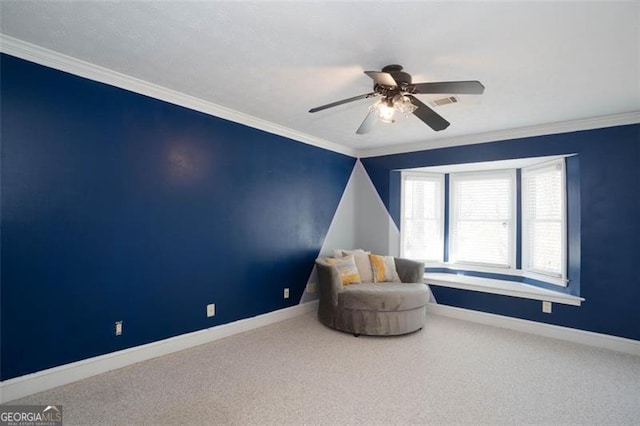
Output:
x=504 y=217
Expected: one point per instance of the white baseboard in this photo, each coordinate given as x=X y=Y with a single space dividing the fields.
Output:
x=57 y=376
x=614 y=343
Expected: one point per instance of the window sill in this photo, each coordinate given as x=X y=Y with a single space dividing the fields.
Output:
x=453 y=268
x=494 y=286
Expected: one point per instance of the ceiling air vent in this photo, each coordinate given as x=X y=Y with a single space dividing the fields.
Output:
x=444 y=101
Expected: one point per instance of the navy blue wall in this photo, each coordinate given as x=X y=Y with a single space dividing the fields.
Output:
x=116 y=206
x=609 y=175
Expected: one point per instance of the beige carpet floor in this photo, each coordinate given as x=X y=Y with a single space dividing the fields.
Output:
x=300 y=372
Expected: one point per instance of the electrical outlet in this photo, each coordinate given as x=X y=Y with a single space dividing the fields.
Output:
x=211 y=310
x=312 y=287
x=118 y=328
x=546 y=307
x=286 y=293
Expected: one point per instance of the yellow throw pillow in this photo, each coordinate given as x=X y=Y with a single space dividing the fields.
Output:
x=384 y=269
x=347 y=269
x=363 y=263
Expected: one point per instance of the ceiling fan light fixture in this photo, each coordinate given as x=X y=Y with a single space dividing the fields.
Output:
x=403 y=105
x=385 y=110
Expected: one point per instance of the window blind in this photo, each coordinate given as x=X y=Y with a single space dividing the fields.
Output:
x=543 y=218
x=482 y=212
x=422 y=223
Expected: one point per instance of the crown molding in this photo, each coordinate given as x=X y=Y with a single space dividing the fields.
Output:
x=59 y=61
x=500 y=135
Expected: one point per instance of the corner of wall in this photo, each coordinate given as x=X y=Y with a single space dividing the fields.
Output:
x=341 y=232
x=375 y=229
x=360 y=221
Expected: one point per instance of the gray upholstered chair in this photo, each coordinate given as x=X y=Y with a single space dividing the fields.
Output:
x=373 y=308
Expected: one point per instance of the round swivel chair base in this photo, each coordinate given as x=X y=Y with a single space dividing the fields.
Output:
x=379 y=323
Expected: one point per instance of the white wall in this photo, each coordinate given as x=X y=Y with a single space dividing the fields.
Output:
x=375 y=230
x=361 y=221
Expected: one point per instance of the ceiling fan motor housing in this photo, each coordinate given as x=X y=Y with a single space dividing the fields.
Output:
x=402 y=78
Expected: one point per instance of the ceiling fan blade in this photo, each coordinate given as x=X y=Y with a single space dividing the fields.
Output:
x=428 y=116
x=344 y=101
x=452 y=87
x=382 y=78
x=369 y=121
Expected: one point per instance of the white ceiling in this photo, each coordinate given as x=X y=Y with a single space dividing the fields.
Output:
x=540 y=62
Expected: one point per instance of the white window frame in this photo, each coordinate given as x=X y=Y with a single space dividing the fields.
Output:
x=436 y=177
x=511 y=174
x=557 y=279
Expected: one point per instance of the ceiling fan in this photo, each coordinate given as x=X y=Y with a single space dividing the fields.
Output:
x=397 y=92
